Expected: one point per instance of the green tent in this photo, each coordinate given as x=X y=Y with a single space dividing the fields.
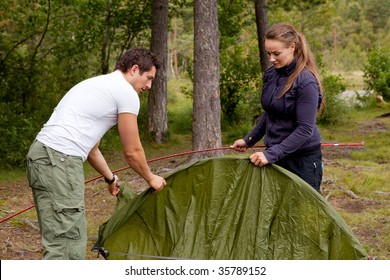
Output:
x=227 y=208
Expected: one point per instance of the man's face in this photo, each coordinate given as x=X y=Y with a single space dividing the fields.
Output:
x=144 y=81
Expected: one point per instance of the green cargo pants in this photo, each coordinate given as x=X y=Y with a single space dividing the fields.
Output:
x=57 y=182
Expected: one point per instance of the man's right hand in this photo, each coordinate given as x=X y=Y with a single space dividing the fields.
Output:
x=157 y=183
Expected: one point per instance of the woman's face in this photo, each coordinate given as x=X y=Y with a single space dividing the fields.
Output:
x=278 y=54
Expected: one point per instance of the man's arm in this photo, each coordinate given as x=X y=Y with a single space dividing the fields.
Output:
x=134 y=152
x=98 y=162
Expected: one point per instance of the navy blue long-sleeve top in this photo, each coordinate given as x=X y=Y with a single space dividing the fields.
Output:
x=288 y=122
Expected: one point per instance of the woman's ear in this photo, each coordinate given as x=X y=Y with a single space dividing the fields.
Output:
x=292 y=47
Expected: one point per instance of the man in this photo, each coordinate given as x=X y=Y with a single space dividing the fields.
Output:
x=72 y=135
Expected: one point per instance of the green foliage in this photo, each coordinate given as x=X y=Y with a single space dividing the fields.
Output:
x=377 y=72
x=335 y=108
x=301 y=4
x=180 y=120
x=240 y=80
x=234 y=132
x=180 y=106
x=350 y=57
x=377 y=12
x=48 y=47
x=366 y=101
x=232 y=17
x=240 y=85
x=17 y=132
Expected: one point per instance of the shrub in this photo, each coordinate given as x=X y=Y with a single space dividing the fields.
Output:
x=377 y=72
x=335 y=108
x=17 y=133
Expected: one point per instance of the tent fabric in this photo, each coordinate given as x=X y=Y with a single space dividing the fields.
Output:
x=227 y=208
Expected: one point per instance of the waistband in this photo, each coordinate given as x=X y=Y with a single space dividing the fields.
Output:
x=316 y=150
x=40 y=144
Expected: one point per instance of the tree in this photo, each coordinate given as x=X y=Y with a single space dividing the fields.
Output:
x=262 y=26
x=157 y=100
x=105 y=50
x=206 y=127
x=377 y=12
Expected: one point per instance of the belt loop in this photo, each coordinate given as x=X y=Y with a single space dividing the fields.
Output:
x=50 y=154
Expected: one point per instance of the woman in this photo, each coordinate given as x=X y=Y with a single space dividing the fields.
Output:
x=292 y=93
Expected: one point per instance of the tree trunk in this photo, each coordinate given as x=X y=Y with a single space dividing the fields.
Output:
x=262 y=26
x=157 y=100
x=175 y=63
x=106 y=42
x=206 y=126
x=334 y=48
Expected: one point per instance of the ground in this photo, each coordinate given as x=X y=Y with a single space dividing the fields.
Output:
x=20 y=235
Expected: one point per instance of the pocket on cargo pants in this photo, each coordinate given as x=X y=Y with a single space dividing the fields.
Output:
x=38 y=167
x=63 y=230
x=69 y=228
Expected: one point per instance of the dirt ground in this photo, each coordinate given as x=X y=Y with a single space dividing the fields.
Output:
x=19 y=236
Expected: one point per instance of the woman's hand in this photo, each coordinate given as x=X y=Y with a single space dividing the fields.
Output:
x=239 y=145
x=258 y=159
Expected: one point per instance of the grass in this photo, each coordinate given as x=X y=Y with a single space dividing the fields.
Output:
x=359 y=182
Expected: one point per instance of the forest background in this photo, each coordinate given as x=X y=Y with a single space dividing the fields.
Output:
x=46 y=47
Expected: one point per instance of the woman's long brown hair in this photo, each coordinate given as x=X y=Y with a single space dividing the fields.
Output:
x=287 y=34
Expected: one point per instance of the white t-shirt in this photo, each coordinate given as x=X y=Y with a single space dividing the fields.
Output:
x=87 y=112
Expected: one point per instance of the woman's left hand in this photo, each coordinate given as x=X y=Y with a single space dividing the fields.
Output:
x=258 y=159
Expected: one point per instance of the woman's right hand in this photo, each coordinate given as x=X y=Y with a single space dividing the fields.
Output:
x=239 y=145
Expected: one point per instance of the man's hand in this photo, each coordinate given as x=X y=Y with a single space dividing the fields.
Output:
x=157 y=183
x=114 y=187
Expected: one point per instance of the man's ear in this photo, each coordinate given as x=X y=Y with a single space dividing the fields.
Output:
x=133 y=69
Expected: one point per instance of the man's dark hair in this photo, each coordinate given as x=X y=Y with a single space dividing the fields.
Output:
x=144 y=58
